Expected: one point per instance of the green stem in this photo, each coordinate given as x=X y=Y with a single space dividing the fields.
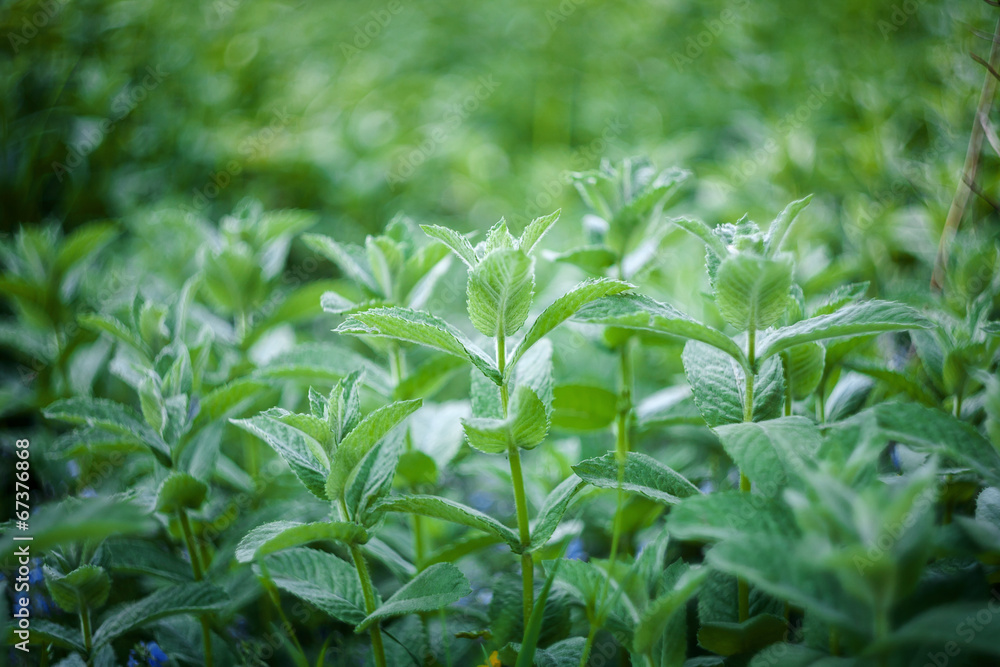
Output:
x=272 y=591
x=743 y=589
x=88 y=635
x=198 y=572
x=368 y=591
x=397 y=366
x=585 y=658
x=520 y=498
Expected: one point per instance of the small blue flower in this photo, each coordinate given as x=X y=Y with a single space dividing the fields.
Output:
x=35 y=575
x=708 y=486
x=73 y=468
x=157 y=658
x=132 y=660
x=575 y=550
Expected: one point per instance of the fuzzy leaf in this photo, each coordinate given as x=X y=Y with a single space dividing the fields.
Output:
x=500 y=291
x=175 y=600
x=643 y=475
x=718 y=385
x=752 y=293
x=458 y=243
x=552 y=511
x=449 y=510
x=773 y=453
x=658 y=614
x=535 y=230
x=804 y=368
x=278 y=535
x=729 y=515
x=525 y=426
x=302 y=452
x=110 y=416
x=778 y=230
x=349 y=259
x=433 y=589
x=319 y=578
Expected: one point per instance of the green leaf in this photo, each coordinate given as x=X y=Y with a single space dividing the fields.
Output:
x=773 y=454
x=449 y=510
x=593 y=259
x=565 y=307
x=47 y=632
x=552 y=511
x=360 y=441
x=325 y=363
x=778 y=230
x=342 y=410
x=151 y=403
x=660 y=611
x=183 y=599
x=82 y=243
x=180 y=491
x=500 y=291
x=705 y=233
x=86 y=587
x=578 y=407
x=939 y=626
x=525 y=427
x=535 y=230
x=372 y=479
x=804 y=366
x=752 y=293
x=231 y=398
x=132 y=556
x=747 y=637
x=859 y=319
x=278 y=535
x=417 y=327
x=933 y=431
x=636 y=311
x=533 y=626
x=643 y=475
x=116 y=329
x=458 y=243
x=321 y=579
x=110 y=416
x=729 y=515
x=429 y=378
x=433 y=589
x=303 y=454
x=718 y=384
x=349 y=258
x=893 y=379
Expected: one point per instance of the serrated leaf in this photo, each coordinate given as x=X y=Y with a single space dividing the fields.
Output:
x=778 y=230
x=643 y=475
x=180 y=491
x=729 y=515
x=110 y=416
x=840 y=297
x=718 y=384
x=300 y=451
x=421 y=328
x=231 y=398
x=183 y=599
x=319 y=578
x=116 y=329
x=432 y=589
x=47 y=632
x=535 y=230
x=803 y=366
x=751 y=292
x=552 y=511
x=859 y=319
x=132 y=556
x=449 y=510
x=278 y=535
x=660 y=611
x=458 y=243
x=86 y=587
x=636 y=311
x=930 y=430
x=356 y=444
x=565 y=307
x=704 y=232
x=579 y=407
x=342 y=410
x=349 y=259
x=773 y=454
x=525 y=427
x=500 y=291
x=372 y=478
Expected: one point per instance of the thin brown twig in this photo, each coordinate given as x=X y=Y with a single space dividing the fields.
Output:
x=985 y=64
x=982 y=195
x=957 y=209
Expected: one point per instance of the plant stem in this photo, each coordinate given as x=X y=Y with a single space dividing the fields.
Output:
x=88 y=636
x=272 y=591
x=397 y=365
x=369 y=594
x=743 y=589
x=198 y=572
x=589 y=644
x=520 y=499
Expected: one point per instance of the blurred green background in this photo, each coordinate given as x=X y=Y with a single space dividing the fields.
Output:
x=461 y=112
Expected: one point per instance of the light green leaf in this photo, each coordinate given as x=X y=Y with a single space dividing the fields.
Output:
x=718 y=385
x=636 y=311
x=643 y=475
x=500 y=291
x=658 y=614
x=449 y=510
x=231 y=398
x=773 y=454
x=417 y=327
x=278 y=535
x=804 y=366
x=458 y=243
x=372 y=478
x=778 y=230
x=729 y=515
x=116 y=329
x=319 y=578
x=752 y=293
x=578 y=407
x=86 y=587
x=535 y=230
x=342 y=410
x=82 y=243
x=350 y=259
x=526 y=425
x=361 y=439
x=303 y=453
x=433 y=589
x=593 y=259
x=859 y=319
x=565 y=307
x=172 y=601
x=893 y=379
x=110 y=416
x=552 y=511
x=429 y=378
x=180 y=491
x=933 y=431
x=325 y=363
x=705 y=233
x=47 y=632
